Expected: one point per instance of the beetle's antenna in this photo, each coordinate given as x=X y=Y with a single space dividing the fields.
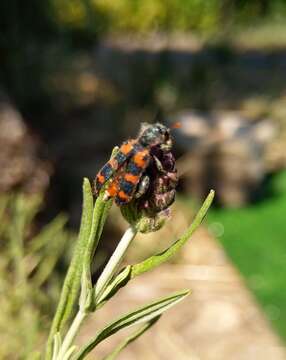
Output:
x=158 y=116
x=176 y=125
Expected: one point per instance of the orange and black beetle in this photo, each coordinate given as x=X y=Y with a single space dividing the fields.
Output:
x=127 y=169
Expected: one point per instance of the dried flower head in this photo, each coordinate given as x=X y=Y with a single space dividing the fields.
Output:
x=148 y=211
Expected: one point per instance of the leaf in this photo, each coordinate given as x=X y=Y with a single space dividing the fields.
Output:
x=119 y=281
x=4 y=200
x=47 y=247
x=129 y=339
x=50 y=231
x=69 y=353
x=143 y=314
x=57 y=345
x=100 y=213
x=92 y=222
x=165 y=255
x=49 y=259
x=23 y=209
x=72 y=280
x=16 y=234
x=156 y=260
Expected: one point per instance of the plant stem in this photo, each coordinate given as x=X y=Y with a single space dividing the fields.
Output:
x=114 y=261
x=100 y=286
x=71 y=334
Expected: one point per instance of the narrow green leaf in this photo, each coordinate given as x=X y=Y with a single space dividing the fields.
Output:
x=20 y=210
x=72 y=281
x=4 y=201
x=100 y=212
x=160 y=258
x=57 y=344
x=36 y=355
x=156 y=260
x=48 y=232
x=69 y=353
x=93 y=219
x=49 y=259
x=129 y=339
x=143 y=314
x=119 y=281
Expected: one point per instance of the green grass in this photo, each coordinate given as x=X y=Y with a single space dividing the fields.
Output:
x=255 y=239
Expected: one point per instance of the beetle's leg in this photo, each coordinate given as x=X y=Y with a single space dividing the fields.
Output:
x=159 y=165
x=143 y=186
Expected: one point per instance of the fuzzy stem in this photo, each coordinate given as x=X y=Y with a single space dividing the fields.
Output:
x=114 y=261
x=100 y=286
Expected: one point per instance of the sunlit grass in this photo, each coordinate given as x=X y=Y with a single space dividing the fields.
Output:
x=255 y=239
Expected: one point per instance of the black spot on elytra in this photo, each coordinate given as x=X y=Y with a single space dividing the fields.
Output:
x=107 y=171
x=126 y=186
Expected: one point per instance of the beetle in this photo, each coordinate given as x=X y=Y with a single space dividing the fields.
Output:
x=126 y=168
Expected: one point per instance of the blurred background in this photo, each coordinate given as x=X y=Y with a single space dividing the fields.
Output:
x=77 y=77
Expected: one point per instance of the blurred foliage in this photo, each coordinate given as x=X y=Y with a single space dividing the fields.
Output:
x=27 y=258
x=152 y=15
x=37 y=38
x=254 y=238
x=163 y=15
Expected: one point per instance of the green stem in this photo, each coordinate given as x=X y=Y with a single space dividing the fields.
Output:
x=114 y=261
x=71 y=334
x=100 y=286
